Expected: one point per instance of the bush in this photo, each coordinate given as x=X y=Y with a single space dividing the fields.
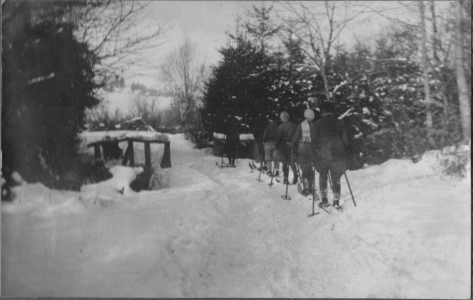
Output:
x=98 y=118
x=146 y=108
x=454 y=161
x=84 y=171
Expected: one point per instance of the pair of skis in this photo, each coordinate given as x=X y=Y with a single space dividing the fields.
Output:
x=221 y=166
x=299 y=189
x=252 y=166
x=316 y=198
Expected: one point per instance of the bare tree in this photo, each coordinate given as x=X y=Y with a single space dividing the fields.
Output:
x=319 y=25
x=464 y=95
x=425 y=65
x=119 y=32
x=183 y=73
x=437 y=23
x=144 y=107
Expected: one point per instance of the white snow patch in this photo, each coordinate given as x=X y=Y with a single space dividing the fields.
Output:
x=17 y=178
x=119 y=183
x=220 y=233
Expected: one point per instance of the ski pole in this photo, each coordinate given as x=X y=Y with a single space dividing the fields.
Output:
x=271 y=183
x=353 y=198
x=329 y=174
x=236 y=153
x=345 y=173
x=298 y=173
x=313 y=212
x=260 y=170
x=221 y=162
x=286 y=197
x=313 y=187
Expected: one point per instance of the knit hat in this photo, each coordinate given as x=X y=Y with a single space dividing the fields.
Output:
x=284 y=116
x=309 y=114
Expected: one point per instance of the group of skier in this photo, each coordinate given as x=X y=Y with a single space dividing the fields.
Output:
x=314 y=145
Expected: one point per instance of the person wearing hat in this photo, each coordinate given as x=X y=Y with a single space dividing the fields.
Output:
x=330 y=142
x=232 y=138
x=270 y=151
x=283 y=141
x=302 y=139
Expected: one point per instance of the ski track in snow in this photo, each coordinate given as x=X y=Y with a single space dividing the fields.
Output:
x=220 y=233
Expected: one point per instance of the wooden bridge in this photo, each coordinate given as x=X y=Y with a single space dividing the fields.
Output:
x=129 y=156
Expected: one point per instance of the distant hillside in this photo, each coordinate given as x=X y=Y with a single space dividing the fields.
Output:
x=122 y=99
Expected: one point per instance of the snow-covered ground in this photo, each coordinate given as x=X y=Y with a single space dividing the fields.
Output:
x=220 y=233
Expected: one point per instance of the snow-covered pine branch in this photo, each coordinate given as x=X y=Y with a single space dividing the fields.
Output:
x=40 y=78
x=347 y=113
x=340 y=85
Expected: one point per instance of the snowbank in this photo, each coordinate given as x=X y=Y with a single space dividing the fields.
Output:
x=220 y=233
x=95 y=136
x=109 y=189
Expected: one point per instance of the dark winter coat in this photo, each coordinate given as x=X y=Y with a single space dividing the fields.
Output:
x=270 y=133
x=232 y=131
x=258 y=129
x=111 y=150
x=305 y=152
x=298 y=134
x=285 y=133
x=330 y=139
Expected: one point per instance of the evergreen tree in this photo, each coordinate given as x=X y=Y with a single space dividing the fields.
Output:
x=48 y=82
x=238 y=86
x=260 y=26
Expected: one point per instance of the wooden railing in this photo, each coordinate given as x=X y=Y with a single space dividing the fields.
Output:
x=129 y=156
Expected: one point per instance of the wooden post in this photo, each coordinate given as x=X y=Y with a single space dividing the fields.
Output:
x=97 y=152
x=132 y=153
x=166 y=160
x=147 y=156
x=129 y=155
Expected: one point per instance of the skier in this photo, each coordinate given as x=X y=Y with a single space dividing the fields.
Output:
x=283 y=143
x=270 y=151
x=302 y=139
x=330 y=142
x=232 y=132
x=258 y=132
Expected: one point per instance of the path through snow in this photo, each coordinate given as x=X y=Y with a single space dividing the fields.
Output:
x=220 y=233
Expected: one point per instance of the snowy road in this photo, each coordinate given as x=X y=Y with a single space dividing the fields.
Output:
x=220 y=233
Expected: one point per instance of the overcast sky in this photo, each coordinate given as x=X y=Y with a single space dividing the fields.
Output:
x=205 y=23
x=202 y=22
